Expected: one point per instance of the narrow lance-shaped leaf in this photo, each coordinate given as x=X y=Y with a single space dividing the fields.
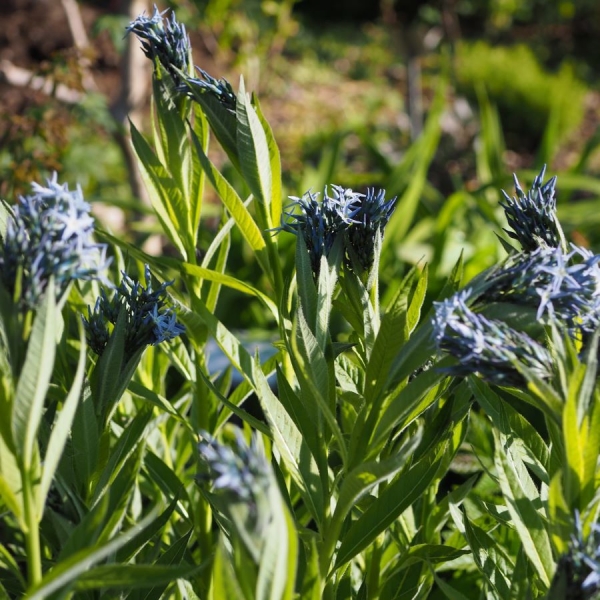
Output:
x=489 y=558
x=290 y=444
x=364 y=478
x=399 y=495
x=163 y=194
x=279 y=553
x=253 y=152
x=62 y=425
x=275 y=159
x=231 y=200
x=231 y=282
x=35 y=379
x=520 y=493
x=66 y=572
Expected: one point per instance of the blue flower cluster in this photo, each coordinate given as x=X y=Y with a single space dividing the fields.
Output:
x=49 y=235
x=488 y=347
x=357 y=217
x=220 y=88
x=562 y=286
x=165 y=40
x=242 y=471
x=532 y=217
x=147 y=321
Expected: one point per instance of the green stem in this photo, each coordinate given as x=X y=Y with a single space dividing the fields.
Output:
x=202 y=413
x=32 y=534
x=374 y=570
x=205 y=542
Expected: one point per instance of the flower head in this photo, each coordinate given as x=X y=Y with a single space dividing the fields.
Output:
x=50 y=235
x=220 y=88
x=165 y=40
x=532 y=216
x=562 y=287
x=485 y=346
x=320 y=223
x=239 y=472
x=147 y=321
x=370 y=214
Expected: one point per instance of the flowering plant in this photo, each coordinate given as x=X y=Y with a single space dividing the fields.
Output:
x=330 y=466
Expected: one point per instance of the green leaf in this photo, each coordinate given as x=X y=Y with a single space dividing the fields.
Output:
x=489 y=558
x=141 y=391
x=365 y=477
x=62 y=425
x=275 y=161
x=291 y=446
x=413 y=314
x=165 y=197
x=224 y=582
x=305 y=283
x=86 y=440
x=242 y=392
x=239 y=412
x=131 y=548
x=507 y=420
x=591 y=452
x=220 y=265
x=429 y=553
x=448 y=590
x=200 y=134
x=574 y=448
x=315 y=378
x=521 y=577
x=171 y=559
x=105 y=377
x=560 y=515
x=520 y=492
x=8 y=562
x=11 y=489
x=231 y=282
x=237 y=209
x=253 y=152
x=227 y=342
x=87 y=531
x=399 y=495
x=408 y=402
x=222 y=122
x=34 y=379
x=6 y=213
x=305 y=423
x=66 y=572
x=328 y=274
x=132 y=436
x=277 y=568
x=392 y=334
x=131 y=577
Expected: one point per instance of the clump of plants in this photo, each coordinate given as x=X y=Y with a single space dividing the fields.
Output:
x=129 y=466
x=528 y=96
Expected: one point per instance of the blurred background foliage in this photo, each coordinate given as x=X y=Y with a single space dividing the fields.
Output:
x=438 y=102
